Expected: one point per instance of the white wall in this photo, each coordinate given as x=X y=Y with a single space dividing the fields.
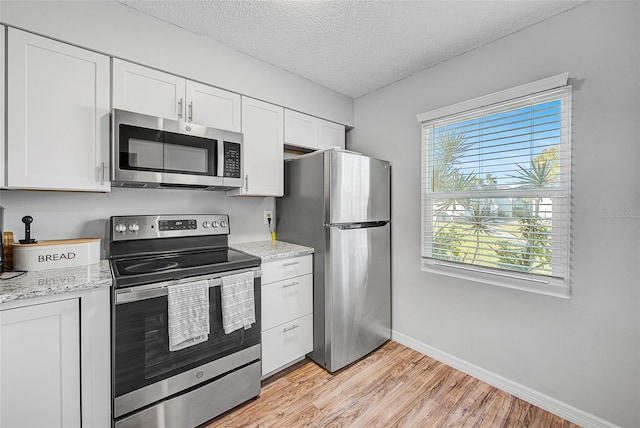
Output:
x=585 y=351
x=117 y=30
x=66 y=215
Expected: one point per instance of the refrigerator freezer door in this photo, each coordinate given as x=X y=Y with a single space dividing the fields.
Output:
x=358 y=278
x=358 y=188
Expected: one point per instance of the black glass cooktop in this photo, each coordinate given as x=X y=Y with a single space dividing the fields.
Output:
x=150 y=269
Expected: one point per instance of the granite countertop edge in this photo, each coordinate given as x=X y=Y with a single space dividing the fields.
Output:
x=52 y=282
x=56 y=281
x=269 y=251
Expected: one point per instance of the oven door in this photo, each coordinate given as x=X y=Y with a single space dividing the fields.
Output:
x=144 y=369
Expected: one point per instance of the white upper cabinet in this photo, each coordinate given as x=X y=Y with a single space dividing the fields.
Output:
x=263 y=149
x=58 y=115
x=212 y=107
x=302 y=130
x=148 y=91
x=144 y=90
x=330 y=134
x=2 y=102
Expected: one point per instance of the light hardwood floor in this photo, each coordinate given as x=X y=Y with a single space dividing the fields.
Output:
x=393 y=387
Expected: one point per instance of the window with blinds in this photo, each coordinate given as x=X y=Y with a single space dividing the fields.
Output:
x=495 y=187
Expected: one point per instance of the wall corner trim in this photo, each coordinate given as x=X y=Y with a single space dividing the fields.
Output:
x=525 y=393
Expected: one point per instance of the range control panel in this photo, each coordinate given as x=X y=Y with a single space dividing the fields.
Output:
x=168 y=226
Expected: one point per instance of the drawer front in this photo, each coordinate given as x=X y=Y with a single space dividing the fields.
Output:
x=286 y=343
x=286 y=300
x=287 y=268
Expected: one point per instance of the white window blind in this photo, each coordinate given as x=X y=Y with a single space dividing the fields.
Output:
x=495 y=192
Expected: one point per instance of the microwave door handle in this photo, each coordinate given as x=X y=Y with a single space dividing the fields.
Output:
x=220 y=166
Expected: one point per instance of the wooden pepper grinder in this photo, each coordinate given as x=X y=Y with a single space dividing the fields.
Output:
x=27 y=220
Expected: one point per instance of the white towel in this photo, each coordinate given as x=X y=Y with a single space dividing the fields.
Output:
x=188 y=306
x=238 y=308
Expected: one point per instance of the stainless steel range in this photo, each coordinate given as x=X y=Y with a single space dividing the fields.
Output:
x=154 y=258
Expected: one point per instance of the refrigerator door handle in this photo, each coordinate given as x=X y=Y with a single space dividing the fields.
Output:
x=362 y=225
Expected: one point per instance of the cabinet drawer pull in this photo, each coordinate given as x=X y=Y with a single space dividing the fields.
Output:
x=293 y=327
x=180 y=108
x=291 y=264
x=291 y=284
x=191 y=111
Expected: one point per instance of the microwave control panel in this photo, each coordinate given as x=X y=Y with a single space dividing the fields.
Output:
x=231 y=160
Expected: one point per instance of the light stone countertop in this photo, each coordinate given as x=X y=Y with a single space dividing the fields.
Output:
x=56 y=281
x=269 y=252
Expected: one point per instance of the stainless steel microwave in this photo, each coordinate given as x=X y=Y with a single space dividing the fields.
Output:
x=154 y=152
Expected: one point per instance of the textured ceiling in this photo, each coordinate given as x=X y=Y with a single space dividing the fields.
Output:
x=352 y=47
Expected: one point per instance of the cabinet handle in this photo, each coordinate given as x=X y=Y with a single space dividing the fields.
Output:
x=180 y=108
x=102 y=173
x=291 y=284
x=191 y=111
x=293 y=327
x=291 y=264
x=246 y=182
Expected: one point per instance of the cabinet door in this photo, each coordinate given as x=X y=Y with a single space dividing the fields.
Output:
x=2 y=99
x=285 y=343
x=213 y=107
x=58 y=111
x=286 y=300
x=301 y=130
x=279 y=270
x=330 y=134
x=263 y=151
x=40 y=365
x=148 y=91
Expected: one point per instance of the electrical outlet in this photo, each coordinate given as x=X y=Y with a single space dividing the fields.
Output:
x=268 y=214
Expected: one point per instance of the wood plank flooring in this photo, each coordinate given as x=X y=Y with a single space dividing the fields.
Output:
x=393 y=387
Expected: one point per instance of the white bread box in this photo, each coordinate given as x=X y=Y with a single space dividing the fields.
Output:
x=56 y=254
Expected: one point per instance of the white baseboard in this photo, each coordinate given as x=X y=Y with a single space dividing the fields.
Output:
x=527 y=394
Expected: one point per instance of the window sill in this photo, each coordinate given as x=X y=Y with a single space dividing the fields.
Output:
x=552 y=287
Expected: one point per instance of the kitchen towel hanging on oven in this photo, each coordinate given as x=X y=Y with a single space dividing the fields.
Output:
x=238 y=307
x=188 y=306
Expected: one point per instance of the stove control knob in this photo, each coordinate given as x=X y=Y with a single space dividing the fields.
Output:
x=214 y=224
x=120 y=227
x=206 y=224
x=133 y=227
x=223 y=223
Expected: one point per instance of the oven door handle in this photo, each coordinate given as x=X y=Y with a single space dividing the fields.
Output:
x=127 y=296
x=135 y=294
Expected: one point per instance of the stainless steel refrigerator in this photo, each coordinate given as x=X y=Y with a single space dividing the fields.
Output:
x=338 y=202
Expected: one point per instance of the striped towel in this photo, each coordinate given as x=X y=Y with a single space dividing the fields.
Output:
x=238 y=309
x=188 y=307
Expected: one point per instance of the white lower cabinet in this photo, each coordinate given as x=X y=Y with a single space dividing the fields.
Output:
x=55 y=364
x=287 y=312
x=286 y=343
x=40 y=365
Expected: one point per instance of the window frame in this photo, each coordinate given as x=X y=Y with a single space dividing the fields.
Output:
x=553 y=286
